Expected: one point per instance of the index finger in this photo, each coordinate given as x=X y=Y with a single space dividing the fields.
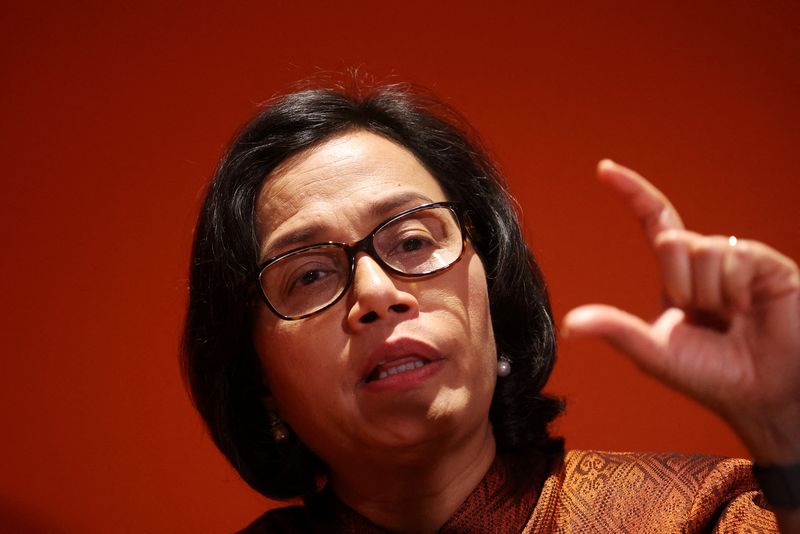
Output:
x=654 y=210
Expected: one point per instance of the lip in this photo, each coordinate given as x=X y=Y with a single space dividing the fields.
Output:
x=400 y=350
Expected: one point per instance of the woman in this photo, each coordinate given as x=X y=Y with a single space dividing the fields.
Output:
x=368 y=330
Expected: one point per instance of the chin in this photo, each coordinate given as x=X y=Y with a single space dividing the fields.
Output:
x=447 y=418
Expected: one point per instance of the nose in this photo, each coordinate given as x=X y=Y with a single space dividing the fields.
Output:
x=376 y=297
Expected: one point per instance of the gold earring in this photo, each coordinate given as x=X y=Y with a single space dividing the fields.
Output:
x=277 y=429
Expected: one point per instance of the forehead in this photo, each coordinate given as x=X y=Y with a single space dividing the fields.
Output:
x=344 y=179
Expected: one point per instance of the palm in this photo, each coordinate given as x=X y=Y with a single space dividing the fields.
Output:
x=744 y=360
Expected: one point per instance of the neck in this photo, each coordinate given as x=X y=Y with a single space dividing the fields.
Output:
x=416 y=491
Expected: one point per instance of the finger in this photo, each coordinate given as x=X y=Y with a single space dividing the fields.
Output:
x=775 y=275
x=707 y=254
x=672 y=252
x=627 y=332
x=654 y=211
x=754 y=272
x=738 y=271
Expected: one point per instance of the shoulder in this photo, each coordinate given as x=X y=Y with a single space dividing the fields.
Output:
x=656 y=471
x=644 y=491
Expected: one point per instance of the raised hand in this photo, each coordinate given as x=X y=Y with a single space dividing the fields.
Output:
x=730 y=334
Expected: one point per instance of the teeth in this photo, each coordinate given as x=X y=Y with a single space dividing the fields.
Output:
x=410 y=366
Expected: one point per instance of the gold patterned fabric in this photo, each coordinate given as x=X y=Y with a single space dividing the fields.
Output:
x=641 y=492
x=588 y=491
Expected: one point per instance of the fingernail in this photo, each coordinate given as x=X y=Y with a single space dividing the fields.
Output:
x=606 y=164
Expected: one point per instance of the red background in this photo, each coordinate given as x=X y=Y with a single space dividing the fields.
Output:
x=114 y=117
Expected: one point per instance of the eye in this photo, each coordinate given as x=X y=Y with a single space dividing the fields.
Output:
x=412 y=244
x=307 y=273
x=418 y=242
x=308 y=278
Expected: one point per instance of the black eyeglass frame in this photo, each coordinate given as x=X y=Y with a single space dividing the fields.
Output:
x=366 y=245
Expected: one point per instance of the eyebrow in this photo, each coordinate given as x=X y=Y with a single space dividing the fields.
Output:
x=310 y=233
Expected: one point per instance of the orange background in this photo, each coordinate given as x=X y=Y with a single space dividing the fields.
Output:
x=114 y=117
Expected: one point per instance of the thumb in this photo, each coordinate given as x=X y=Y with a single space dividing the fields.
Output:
x=626 y=332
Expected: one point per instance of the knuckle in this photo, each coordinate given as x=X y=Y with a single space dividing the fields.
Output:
x=706 y=248
x=794 y=276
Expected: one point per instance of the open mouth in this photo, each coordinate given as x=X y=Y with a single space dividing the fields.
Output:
x=385 y=370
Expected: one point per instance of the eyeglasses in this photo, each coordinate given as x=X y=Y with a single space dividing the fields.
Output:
x=418 y=242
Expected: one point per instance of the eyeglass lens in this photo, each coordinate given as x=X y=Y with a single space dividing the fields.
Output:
x=419 y=243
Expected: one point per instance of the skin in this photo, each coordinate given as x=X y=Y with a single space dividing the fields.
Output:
x=730 y=337
x=421 y=447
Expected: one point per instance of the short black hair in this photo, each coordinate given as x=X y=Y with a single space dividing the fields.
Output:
x=223 y=371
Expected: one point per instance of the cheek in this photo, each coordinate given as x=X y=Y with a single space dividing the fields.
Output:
x=482 y=334
x=305 y=368
x=269 y=345
x=478 y=307
x=475 y=361
x=294 y=355
x=482 y=331
x=463 y=300
x=468 y=300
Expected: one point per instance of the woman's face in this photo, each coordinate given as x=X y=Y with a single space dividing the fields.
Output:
x=322 y=371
